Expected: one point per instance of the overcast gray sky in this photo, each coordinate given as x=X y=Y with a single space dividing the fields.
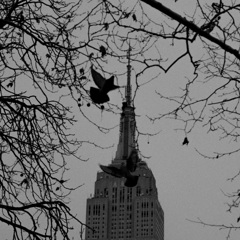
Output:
x=189 y=186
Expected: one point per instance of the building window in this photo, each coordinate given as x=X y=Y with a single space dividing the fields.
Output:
x=114 y=195
x=105 y=192
x=129 y=194
x=122 y=192
x=138 y=191
x=89 y=210
x=97 y=193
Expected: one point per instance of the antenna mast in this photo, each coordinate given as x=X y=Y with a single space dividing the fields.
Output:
x=128 y=87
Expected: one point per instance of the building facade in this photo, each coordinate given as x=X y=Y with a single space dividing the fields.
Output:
x=119 y=212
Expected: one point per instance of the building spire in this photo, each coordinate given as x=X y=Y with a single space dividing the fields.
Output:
x=128 y=87
x=127 y=122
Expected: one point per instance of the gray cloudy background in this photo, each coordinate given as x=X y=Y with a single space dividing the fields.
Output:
x=190 y=187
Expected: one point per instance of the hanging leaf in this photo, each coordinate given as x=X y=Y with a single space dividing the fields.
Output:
x=134 y=17
x=102 y=49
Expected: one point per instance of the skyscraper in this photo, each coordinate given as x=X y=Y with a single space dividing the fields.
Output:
x=119 y=212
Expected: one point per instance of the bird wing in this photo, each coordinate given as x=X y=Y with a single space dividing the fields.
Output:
x=116 y=172
x=109 y=85
x=98 y=78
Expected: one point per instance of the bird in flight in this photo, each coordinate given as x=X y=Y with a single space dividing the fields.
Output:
x=123 y=171
x=100 y=95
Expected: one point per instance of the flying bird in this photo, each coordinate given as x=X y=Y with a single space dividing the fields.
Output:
x=131 y=180
x=105 y=85
x=99 y=95
x=185 y=141
x=132 y=161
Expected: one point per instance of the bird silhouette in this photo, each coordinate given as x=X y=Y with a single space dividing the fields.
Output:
x=105 y=85
x=132 y=161
x=238 y=219
x=131 y=180
x=99 y=95
x=185 y=141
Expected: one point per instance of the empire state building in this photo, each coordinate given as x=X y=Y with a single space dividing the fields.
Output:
x=119 y=212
